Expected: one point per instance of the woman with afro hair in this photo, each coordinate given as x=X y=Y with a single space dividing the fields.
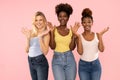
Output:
x=62 y=41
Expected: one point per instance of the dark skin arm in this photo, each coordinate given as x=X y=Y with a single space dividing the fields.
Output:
x=74 y=36
x=52 y=43
x=72 y=44
x=99 y=35
x=79 y=45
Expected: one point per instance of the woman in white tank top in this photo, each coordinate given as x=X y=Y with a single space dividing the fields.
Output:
x=88 y=46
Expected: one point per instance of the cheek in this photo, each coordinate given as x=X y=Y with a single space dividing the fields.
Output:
x=91 y=24
x=35 y=23
x=66 y=18
x=83 y=24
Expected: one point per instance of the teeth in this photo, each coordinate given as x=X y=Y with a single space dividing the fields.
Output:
x=87 y=27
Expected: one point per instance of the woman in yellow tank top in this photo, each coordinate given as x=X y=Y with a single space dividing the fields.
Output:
x=62 y=41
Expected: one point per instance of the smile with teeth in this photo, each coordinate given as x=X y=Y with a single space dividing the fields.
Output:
x=62 y=20
x=87 y=27
x=38 y=24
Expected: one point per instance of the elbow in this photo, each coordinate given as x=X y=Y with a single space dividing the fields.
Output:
x=72 y=48
x=45 y=52
x=27 y=50
x=80 y=51
x=52 y=47
x=101 y=50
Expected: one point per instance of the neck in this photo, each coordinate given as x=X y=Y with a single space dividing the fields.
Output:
x=63 y=27
x=40 y=30
x=87 y=32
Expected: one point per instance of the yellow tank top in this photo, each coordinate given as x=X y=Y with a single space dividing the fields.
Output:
x=62 y=42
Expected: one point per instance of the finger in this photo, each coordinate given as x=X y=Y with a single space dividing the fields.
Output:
x=107 y=28
x=23 y=30
x=55 y=26
x=78 y=24
x=71 y=26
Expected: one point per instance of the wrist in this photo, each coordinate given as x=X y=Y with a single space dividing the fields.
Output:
x=28 y=38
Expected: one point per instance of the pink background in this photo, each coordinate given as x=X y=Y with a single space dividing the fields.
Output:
x=16 y=14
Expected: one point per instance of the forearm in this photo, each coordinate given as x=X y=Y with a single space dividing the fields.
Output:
x=79 y=45
x=43 y=47
x=72 y=44
x=52 y=40
x=27 y=45
x=100 y=44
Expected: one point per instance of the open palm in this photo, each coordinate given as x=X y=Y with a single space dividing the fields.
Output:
x=104 y=31
x=75 y=28
x=26 y=32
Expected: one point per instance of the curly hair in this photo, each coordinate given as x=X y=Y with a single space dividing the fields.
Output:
x=64 y=7
x=86 y=13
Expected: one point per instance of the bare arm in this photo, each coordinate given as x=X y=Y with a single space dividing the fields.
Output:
x=27 y=45
x=79 y=45
x=52 y=40
x=52 y=43
x=72 y=44
x=44 y=43
x=27 y=33
x=73 y=39
x=100 y=44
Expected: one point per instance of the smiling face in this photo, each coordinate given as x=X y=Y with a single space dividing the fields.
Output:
x=63 y=18
x=87 y=23
x=39 y=22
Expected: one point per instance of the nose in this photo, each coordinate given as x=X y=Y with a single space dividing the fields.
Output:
x=87 y=24
x=62 y=18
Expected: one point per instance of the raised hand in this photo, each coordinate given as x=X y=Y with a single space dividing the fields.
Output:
x=104 y=31
x=44 y=33
x=51 y=27
x=26 y=32
x=75 y=28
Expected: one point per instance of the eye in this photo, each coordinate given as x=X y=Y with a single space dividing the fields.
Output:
x=83 y=22
x=89 y=22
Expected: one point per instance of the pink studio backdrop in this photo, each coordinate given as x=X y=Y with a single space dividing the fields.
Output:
x=17 y=14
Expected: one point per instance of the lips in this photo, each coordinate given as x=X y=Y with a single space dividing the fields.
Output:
x=62 y=21
x=87 y=28
x=38 y=24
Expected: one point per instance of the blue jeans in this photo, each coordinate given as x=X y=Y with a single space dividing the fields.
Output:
x=38 y=67
x=64 y=66
x=89 y=70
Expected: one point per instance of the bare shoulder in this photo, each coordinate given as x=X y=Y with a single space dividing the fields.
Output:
x=97 y=35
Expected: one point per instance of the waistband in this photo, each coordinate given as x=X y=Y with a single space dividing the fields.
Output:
x=90 y=61
x=63 y=53
x=42 y=55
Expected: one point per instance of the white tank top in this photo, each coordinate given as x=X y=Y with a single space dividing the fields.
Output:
x=90 y=49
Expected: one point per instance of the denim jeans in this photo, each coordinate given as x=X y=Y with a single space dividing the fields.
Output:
x=38 y=67
x=89 y=70
x=64 y=66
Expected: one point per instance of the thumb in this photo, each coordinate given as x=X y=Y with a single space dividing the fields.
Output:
x=71 y=27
